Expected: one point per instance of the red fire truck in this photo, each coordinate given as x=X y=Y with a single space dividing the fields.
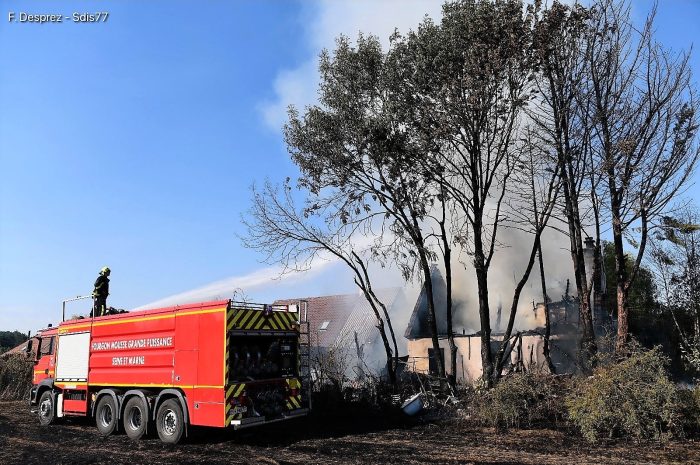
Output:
x=221 y=364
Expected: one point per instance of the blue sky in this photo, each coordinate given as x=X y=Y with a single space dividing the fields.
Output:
x=133 y=143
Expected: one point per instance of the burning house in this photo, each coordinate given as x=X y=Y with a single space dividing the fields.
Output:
x=525 y=349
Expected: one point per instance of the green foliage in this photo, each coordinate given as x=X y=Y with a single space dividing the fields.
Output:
x=675 y=257
x=15 y=377
x=633 y=398
x=10 y=339
x=643 y=290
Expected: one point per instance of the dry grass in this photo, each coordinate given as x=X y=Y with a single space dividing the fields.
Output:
x=320 y=441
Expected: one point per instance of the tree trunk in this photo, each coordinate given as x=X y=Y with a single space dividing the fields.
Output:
x=547 y=321
x=597 y=275
x=450 y=329
x=483 y=290
x=372 y=297
x=514 y=306
x=390 y=365
x=447 y=258
x=620 y=268
x=428 y=283
x=391 y=332
x=587 y=347
x=561 y=110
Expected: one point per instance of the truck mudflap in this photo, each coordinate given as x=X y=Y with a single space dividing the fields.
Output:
x=254 y=421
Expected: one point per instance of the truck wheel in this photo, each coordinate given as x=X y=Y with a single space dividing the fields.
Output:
x=106 y=415
x=135 y=418
x=170 y=422
x=47 y=409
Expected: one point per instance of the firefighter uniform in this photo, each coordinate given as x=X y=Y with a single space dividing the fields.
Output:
x=100 y=293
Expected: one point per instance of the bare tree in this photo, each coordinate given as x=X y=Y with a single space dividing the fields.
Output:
x=531 y=212
x=644 y=131
x=353 y=143
x=295 y=237
x=461 y=86
x=560 y=37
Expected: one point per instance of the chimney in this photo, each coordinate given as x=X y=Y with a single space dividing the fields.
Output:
x=589 y=257
x=499 y=310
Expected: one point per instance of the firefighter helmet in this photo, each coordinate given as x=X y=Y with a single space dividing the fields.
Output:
x=104 y=270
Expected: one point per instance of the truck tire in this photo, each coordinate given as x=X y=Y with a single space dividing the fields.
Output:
x=135 y=418
x=170 y=422
x=106 y=415
x=47 y=408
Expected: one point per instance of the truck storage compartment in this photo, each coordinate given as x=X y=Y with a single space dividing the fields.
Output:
x=73 y=357
x=261 y=357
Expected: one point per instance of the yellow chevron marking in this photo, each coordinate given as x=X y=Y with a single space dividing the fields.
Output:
x=240 y=316
x=293 y=383
x=257 y=320
x=294 y=402
x=285 y=321
x=253 y=319
x=244 y=321
x=237 y=315
x=229 y=391
x=289 y=406
x=260 y=323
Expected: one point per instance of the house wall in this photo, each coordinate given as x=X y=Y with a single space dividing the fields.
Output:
x=469 y=355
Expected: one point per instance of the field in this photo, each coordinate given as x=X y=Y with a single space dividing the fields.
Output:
x=318 y=441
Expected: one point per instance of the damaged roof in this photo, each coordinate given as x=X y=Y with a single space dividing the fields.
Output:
x=334 y=319
x=419 y=326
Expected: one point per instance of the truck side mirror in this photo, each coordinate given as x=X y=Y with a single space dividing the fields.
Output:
x=28 y=349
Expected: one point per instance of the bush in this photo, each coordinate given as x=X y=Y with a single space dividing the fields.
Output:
x=521 y=400
x=15 y=377
x=632 y=398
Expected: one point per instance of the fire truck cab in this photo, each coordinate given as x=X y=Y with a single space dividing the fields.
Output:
x=218 y=364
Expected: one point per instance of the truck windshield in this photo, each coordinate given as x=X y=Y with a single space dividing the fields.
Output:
x=261 y=357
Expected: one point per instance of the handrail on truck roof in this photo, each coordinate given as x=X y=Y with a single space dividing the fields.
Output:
x=79 y=297
x=253 y=306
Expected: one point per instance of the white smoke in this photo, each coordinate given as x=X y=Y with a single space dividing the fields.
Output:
x=258 y=280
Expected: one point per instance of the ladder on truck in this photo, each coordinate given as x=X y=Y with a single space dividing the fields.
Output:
x=305 y=351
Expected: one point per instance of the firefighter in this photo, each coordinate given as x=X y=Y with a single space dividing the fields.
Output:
x=99 y=295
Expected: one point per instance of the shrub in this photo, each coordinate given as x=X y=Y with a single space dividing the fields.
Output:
x=632 y=398
x=521 y=400
x=15 y=376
